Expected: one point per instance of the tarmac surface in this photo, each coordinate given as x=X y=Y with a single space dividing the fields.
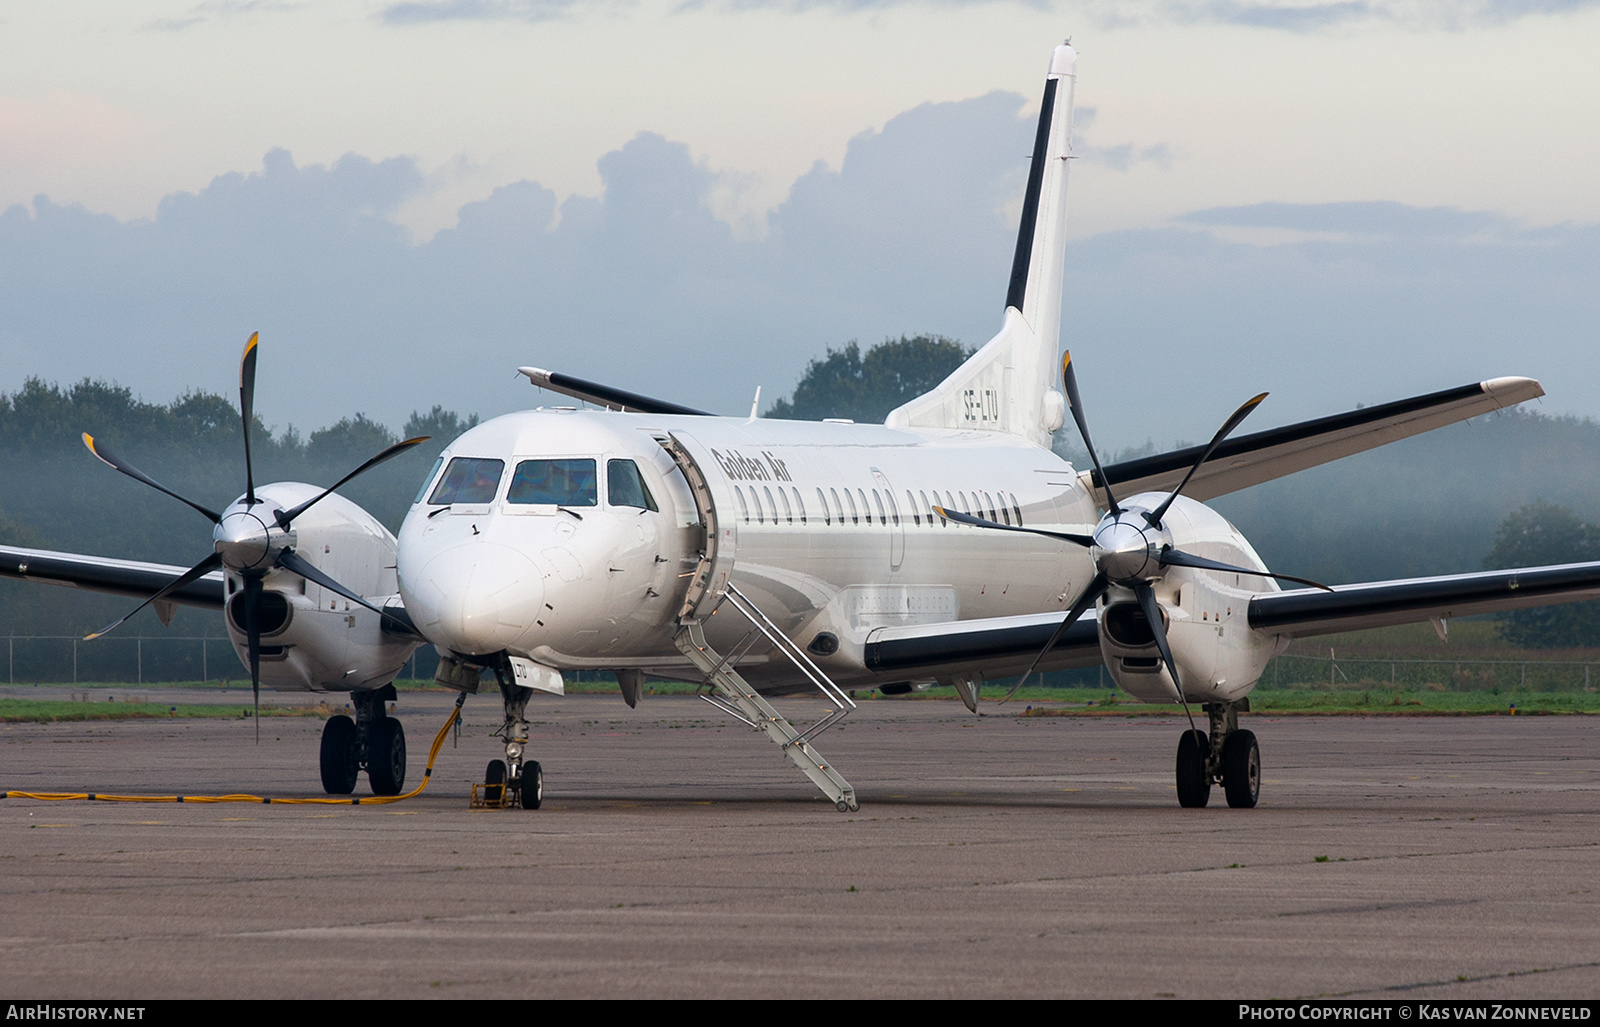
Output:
x=678 y=854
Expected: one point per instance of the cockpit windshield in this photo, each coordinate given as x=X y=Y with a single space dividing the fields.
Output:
x=468 y=480
x=559 y=482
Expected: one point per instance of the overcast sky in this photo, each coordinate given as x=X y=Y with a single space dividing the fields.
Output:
x=1339 y=202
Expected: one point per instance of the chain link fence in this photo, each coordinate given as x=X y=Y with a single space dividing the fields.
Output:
x=1333 y=672
x=141 y=659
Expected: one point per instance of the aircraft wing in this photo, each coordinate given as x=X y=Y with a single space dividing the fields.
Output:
x=130 y=578
x=603 y=395
x=1378 y=604
x=1252 y=459
x=998 y=646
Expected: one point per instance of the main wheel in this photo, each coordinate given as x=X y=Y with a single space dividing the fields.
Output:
x=1194 y=784
x=386 y=757
x=340 y=767
x=494 y=781
x=532 y=789
x=1241 y=770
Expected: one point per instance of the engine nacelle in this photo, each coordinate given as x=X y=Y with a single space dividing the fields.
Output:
x=1205 y=613
x=313 y=639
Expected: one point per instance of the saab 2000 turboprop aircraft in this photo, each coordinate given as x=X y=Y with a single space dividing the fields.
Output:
x=765 y=557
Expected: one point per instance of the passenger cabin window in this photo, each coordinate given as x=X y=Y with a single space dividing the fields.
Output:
x=468 y=480
x=555 y=482
x=625 y=487
x=827 y=516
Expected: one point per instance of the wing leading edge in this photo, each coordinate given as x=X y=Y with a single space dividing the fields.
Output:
x=1377 y=604
x=1252 y=459
x=998 y=646
x=131 y=578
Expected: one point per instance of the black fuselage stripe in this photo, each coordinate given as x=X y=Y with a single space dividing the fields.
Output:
x=1030 y=203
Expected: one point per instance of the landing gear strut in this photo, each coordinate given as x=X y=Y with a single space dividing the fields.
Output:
x=374 y=742
x=1228 y=754
x=524 y=780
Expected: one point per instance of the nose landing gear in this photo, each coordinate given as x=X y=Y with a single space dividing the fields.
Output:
x=1228 y=754
x=514 y=780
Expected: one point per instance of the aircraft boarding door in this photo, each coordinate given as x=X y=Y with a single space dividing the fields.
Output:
x=719 y=539
x=897 y=530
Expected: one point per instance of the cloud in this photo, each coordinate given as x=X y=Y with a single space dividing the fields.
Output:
x=420 y=12
x=1371 y=218
x=642 y=285
x=1297 y=16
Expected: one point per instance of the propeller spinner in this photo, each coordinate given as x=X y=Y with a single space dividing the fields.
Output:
x=245 y=539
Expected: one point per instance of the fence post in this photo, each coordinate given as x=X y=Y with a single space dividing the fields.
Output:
x=74 y=661
x=205 y=675
x=140 y=657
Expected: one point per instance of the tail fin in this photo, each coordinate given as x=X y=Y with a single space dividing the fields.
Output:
x=1009 y=385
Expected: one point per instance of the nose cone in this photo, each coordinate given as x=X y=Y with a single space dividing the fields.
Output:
x=475 y=599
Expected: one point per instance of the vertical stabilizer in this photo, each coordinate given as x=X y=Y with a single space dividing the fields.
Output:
x=1009 y=385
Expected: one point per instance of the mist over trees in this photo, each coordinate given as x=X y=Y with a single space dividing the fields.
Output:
x=1538 y=535
x=864 y=388
x=55 y=495
x=1514 y=489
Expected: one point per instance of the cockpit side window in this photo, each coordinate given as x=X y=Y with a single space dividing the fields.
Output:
x=422 y=490
x=468 y=479
x=555 y=482
x=625 y=487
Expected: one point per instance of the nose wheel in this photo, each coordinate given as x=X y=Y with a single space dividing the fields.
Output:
x=520 y=781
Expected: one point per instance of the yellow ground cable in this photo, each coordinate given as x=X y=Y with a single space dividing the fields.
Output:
x=373 y=800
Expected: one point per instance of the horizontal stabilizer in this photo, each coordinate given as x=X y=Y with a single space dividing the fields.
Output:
x=1252 y=459
x=118 y=577
x=1378 y=604
x=997 y=646
x=603 y=395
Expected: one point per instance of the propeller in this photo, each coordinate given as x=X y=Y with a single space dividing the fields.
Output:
x=244 y=542
x=1131 y=547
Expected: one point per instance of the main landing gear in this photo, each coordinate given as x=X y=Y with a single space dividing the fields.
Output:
x=1228 y=754
x=374 y=742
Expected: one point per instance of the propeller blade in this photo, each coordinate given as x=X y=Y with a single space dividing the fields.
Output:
x=1075 y=404
x=1154 y=517
x=286 y=517
x=193 y=574
x=110 y=459
x=980 y=522
x=290 y=560
x=1152 y=613
x=1097 y=586
x=1178 y=558
x=247 y=403
x=252 y=632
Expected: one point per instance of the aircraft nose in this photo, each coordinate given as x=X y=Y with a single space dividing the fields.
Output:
x=475 y=599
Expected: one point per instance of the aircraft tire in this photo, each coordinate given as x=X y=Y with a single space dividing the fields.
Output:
x=339 y=763
x=1241 y=770
x=532 y=790
x=1194 y=784
x=494 y=781
x=386 y=761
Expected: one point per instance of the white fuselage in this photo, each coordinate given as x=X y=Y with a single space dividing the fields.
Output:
x=827 y=527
